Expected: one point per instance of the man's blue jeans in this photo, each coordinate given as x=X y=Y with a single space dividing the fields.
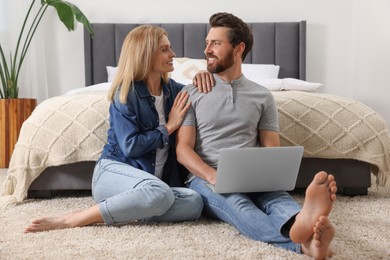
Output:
x=125 y=194
x=260 y=216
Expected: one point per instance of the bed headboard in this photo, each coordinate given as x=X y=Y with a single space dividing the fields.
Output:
x=280 y=43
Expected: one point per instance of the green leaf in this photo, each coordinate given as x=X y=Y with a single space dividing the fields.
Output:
x=64 y=11
x=82 y=19
x=3 y=73
x=68 y=12
x=9 y=70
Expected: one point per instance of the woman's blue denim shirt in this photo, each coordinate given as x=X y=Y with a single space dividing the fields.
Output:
x=135 y=133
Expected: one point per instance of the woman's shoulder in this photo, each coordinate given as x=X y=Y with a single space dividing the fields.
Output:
x=175 y=85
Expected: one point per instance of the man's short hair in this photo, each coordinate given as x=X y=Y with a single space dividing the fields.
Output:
x=239 y=30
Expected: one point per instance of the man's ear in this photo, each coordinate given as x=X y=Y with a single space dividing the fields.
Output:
x=239 y=49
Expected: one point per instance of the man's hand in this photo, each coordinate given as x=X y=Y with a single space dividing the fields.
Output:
x=204 y=80
x=211 y=177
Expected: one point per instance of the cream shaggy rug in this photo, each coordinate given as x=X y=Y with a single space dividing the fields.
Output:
x=362 y=226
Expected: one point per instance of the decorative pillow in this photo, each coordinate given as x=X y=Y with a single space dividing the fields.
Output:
x=186 y=69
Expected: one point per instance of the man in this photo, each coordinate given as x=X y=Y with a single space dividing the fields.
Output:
x=239 y=113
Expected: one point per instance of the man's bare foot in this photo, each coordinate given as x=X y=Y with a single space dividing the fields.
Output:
x=319 y=198
x=318 y=245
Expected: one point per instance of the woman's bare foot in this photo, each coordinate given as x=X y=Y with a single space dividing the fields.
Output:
x=319 y=198
x=75 y=219
x=318 y=245
x=49 y=223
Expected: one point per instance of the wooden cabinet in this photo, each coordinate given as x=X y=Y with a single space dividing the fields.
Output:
x=13 y=112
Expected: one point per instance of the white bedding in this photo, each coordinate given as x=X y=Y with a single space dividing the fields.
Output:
x=271 y=84
x=73 y=128
x=98 y=88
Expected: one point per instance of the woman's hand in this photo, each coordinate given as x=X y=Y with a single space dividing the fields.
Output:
x=204 y=80
x=178 y=111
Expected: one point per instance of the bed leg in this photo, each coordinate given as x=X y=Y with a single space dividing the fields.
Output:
x=40 y=194
x=354 y=191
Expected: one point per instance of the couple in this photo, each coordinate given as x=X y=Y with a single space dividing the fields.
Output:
x=154 y=120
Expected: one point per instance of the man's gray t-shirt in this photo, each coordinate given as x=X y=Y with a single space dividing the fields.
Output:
x=229 y=116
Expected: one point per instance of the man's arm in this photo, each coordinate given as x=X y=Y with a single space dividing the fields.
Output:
x=269 y=138
x=185 y=144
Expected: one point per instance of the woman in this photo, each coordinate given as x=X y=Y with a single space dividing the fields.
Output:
x=132 y=178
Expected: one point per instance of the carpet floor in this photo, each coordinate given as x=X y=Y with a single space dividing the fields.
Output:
x=362 y=232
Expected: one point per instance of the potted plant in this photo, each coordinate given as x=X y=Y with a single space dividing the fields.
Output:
x=14 y=110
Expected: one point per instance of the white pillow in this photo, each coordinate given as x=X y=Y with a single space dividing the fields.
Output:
x=110 y=73
x=263 y=74
x=289 y=84
x=255 y=72
x=297 y=84
x=186 y=69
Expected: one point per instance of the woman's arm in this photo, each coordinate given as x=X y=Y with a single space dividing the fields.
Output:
x=178 y=111
x=136 y=139
x=204 y=81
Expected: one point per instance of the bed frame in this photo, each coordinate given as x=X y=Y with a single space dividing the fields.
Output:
x=281 y=43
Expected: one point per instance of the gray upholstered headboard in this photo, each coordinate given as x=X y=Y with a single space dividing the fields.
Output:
x=280 y=43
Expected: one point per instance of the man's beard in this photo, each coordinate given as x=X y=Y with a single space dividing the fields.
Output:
x=222 y=64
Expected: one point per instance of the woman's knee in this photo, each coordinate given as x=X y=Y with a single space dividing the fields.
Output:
x=159 y=196
x=191 y=201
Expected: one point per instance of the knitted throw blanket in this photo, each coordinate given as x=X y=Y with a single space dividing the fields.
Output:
x=73 y=128
x=334 y=127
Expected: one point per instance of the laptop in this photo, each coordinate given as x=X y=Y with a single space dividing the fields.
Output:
x=257 y=169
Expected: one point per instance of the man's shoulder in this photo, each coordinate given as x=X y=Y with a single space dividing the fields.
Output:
x=257 y=87
x=191 y=89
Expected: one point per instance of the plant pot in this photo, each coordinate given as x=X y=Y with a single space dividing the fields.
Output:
x=13 y=112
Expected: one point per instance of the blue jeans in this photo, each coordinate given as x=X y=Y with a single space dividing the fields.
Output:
x=259 y=216
x=125 y=194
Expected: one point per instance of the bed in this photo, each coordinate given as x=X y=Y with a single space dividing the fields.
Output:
x=59 y=144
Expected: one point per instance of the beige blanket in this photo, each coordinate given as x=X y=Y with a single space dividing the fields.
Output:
x=68 y=129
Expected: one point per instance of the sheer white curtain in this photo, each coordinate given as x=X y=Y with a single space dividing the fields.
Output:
x=32 y=78
x=3 y=26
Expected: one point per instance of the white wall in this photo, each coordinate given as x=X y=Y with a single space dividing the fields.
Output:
x=348 y=42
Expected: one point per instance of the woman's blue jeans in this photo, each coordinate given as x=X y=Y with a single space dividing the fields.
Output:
x=259 y=216
x=125 y=194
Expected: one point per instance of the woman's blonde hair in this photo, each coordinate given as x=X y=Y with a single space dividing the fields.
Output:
x=135 y=61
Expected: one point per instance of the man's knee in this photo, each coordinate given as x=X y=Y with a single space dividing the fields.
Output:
x=197 y=204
